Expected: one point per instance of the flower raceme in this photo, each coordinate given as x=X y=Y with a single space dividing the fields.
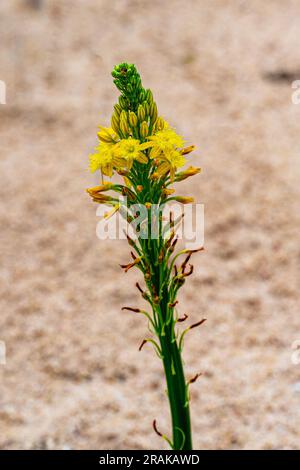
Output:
x=148 y=153
x=164 y=146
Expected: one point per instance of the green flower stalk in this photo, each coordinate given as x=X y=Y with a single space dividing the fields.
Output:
x=142 y=148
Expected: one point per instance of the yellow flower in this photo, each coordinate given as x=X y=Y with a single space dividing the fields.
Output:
x=103 y=159
x=106 y=186
x=130 y=150
x=166 y=139
x=161 y=124
x=107 y=135
x=191 y=171
x=184 y=200
x=170 y=160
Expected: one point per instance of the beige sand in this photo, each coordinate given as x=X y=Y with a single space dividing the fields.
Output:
x=221 y=72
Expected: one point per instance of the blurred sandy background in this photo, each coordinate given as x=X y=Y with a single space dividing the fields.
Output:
x=221 y=72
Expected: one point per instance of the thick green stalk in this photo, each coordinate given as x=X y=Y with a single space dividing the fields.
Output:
x=172 y=361
x=177 y=393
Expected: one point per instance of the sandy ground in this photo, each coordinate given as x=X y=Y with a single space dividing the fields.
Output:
x=221 y=72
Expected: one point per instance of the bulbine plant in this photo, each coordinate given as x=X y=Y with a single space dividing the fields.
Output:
x=147 y=153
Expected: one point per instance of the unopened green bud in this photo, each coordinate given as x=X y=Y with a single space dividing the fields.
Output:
x=146 y=107
x=105 y=136
x=160 y=124
x=144 y=129
x=124 y=127
x=141 y=113
x=117 y=109
x=149 y=96
x=115 y=123
x=184 y=200
x=132 y=119
x=153 y=112
x=123 y=117
x=191 y=171
x=123 y=102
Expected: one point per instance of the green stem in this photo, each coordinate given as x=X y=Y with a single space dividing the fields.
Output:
x=171 y=354
x=177 y=392
x=161 y=284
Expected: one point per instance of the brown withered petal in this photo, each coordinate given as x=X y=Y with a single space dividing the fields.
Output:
x=197 y=324
x=181 y=319
x=193 y=379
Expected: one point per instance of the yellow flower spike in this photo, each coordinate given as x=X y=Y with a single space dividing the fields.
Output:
x=148 y=205
x=191 y=171
x=139 y=188
x=144 y=129
x=184 y=200
x=187 y=150
x=132 y=119
x=107 y=135
x=141 y=113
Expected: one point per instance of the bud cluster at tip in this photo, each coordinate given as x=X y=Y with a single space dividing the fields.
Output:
x=136 y=113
